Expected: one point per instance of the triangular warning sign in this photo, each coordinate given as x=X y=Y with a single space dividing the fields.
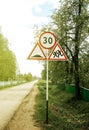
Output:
x=37 y=53
x=57 y=53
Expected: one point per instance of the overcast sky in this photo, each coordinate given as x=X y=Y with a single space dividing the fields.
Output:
x=17 y=19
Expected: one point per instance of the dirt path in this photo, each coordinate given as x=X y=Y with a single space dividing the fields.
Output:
x=23 y=118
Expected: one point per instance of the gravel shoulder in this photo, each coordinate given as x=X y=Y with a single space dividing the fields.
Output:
x=23 y=118
x=10 y=100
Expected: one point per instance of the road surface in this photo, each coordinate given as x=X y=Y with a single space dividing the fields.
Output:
x=10 y=99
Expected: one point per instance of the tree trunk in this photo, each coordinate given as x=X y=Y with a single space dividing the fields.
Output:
x=67 y=72
x=76 y=72
x=76 y=62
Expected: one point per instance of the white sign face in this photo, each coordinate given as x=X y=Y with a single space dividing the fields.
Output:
x=47 y=40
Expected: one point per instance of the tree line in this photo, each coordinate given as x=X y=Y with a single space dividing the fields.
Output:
x=8 y=63
x=9 y=69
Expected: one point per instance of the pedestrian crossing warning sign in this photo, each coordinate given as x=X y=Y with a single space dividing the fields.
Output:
x=57 y=53
x=37 y=53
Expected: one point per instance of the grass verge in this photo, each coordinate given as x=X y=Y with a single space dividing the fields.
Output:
x=65 y=113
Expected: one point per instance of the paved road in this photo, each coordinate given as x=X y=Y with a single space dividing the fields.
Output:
x=10 y=99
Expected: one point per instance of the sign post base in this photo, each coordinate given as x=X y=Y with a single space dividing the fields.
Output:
x=47 y=112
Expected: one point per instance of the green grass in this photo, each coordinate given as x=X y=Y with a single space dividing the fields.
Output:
x=65 y=113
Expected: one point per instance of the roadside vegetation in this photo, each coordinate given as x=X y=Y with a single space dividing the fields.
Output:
x=20 y=79
x=65 y=112
x=8 y=63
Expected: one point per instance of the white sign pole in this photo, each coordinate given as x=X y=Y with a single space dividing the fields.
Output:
x=47 y=90
x=47 y=40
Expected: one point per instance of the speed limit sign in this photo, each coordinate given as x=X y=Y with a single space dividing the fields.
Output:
x=47 y=40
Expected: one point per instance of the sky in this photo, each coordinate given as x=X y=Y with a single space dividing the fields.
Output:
x=17 y=20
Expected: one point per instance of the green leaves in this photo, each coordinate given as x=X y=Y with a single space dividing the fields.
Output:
x=7 y=61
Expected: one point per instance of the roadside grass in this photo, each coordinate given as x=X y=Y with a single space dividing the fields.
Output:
x=65 y=113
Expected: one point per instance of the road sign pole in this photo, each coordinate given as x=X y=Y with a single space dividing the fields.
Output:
x=47 y=90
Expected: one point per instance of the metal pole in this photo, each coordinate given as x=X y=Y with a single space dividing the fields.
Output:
x=47 y=92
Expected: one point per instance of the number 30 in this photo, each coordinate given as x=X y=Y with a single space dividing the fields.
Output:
x=47 y=40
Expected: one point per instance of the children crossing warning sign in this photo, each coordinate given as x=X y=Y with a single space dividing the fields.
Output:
x=57 y=54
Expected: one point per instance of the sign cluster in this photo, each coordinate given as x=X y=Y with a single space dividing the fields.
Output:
x=47 y=49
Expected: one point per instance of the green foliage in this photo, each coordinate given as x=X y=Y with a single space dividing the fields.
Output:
x=7 y=61
x=71 y=21
x=70 y=24
x=41 y=82
x=84 y=71
x=43 y=73
x=57 y=71
x=27 y=77
x=65 y=113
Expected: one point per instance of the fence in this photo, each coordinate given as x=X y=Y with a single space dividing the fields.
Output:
x=10 y=83
x=84 y=92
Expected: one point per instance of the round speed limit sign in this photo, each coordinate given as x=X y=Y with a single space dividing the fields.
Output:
x=47 y=40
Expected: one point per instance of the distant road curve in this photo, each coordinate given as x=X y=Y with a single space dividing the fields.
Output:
x=10 y=99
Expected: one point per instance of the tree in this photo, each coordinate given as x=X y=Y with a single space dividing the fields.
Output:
x=27 y=77
x=7 y=60
x=71 y=21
